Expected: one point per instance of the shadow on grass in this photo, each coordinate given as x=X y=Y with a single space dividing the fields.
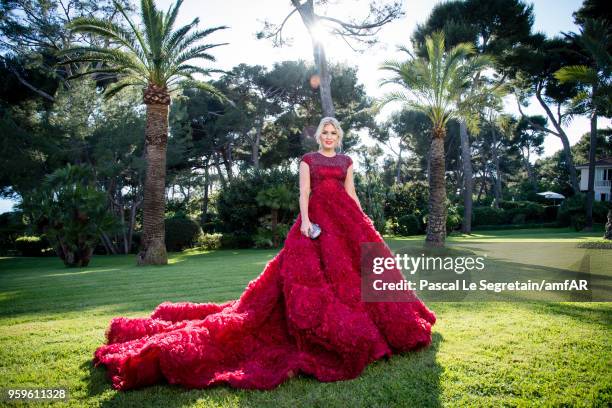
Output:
x=43 y=287
x=409 y=379
x=582 y=312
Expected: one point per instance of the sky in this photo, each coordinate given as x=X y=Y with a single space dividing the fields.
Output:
x=245 y=18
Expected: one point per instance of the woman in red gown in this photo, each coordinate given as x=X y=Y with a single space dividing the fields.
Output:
x=302 y=314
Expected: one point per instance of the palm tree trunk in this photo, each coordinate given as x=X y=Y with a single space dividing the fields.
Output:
x=436 y=220
x=156 y=141
x=466 y=159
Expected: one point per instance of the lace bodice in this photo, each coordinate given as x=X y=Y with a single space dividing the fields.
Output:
x=324 y=168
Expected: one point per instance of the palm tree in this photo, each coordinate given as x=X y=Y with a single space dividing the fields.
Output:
x=156 y=58
x=437 y=86
x=593 y=40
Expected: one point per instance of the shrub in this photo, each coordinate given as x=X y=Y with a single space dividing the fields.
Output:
x=33 y=246
x=569 y=207
x=516 y=226
x=181 y=233
x=237 y=203
x=407 y=198
x=237 y=240
x=212 y=223
x=519 y=212
x=11 y=227
x=71 y=212
x=550 y=212
x=454 y=217
x=578 y=221
x=276 y=198
x=519 y=218
x=572 y=207
x=209 y=241
x=408 y=224
x=488 y=216
x=600 y=211
x=372 y=194
x=265 y=237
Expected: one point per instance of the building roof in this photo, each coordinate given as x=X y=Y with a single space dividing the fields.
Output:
x=604 y=161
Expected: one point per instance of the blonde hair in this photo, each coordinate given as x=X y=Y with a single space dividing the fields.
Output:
x=331 y=121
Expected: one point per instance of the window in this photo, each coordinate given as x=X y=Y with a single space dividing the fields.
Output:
x=607 y=174
x=602 y=197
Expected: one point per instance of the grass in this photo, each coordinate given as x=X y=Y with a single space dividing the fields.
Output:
x=483 y=353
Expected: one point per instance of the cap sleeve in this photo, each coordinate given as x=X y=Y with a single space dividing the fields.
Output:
x=307 y=158
x=349 y=161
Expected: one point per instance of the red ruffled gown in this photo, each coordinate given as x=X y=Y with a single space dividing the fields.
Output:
x=302 y=314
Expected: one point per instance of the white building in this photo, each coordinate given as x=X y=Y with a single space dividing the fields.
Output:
x=603 y=178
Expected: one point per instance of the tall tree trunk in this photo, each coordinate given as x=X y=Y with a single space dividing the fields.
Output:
x=204 y=217
x=219 y=172
x=498 y=183
x=592 y=150
x=228 y=161
x=156 y=142
x=256 y=143
x=108 y=243
x=466 y=160
x=133 y=209
x=483 y=182
x=399 y=165
x=531 y=176
x=327 y=104
x=569 y=161
x=306 y=11
x=436 y=220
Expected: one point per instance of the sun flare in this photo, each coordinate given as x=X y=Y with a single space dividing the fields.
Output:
x=320 y=33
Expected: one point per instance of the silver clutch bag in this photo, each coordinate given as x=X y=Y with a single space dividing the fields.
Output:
x=314 y=231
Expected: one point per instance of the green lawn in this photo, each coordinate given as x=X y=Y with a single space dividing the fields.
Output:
x=483 y=353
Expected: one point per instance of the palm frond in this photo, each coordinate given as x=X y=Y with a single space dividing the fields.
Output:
x=195 y=52
x=395 y=96
x=153 y=28
x=123 y=83
x=577 y=73
x=175 y=38
x=208 y=88
x=188 y=41
x=192 y=69
x=115 y=57
x=171 y=18
x=594 y=39
x=137 y=32
x=151 y=53
x=110 y=31
x=438 y=84
x=96 y=71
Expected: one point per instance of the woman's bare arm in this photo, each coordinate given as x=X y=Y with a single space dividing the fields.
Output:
x=349 y=186
x=304 y=196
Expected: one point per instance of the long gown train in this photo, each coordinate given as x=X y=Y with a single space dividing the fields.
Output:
x=302 y=314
